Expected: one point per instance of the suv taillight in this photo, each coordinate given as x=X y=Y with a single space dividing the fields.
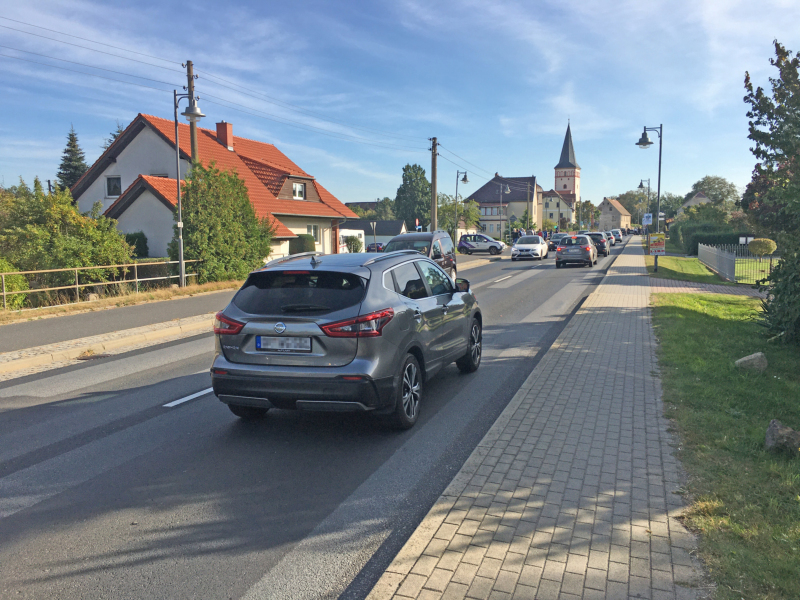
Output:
x=225 y=326
x=369 y=325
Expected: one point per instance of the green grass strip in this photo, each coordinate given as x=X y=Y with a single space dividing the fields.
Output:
x=684 y=269
x=745 y=500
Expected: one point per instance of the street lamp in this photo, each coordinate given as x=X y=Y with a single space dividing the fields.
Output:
x=504 y=189
x=455 y=223
x=641 y=187
x=192 y=114
x=644 y=143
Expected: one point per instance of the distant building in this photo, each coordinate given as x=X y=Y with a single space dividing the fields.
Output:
x=557 y=208
x=384 y=230
x=613 y=215
x=568 y=175
x=518 y=195
x=696 y=200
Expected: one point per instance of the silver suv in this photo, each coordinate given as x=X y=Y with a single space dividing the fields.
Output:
x=343 y=332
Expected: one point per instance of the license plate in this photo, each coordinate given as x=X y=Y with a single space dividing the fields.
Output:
x=283 y=344
x=573 y=250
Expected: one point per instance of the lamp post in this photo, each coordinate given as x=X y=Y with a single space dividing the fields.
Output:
x=455 y=223
x=192 y=114
x=644 y=143
x=504 y=189
x=641 y=187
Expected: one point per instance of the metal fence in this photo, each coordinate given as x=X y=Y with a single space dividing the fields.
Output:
x=749 y=267
x=723 y=263
x=58 y=285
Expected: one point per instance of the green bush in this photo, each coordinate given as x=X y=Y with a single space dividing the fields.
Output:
x=14 y=283
x=354 y=244
x=138 y=240
x=716 y=239
x=302 y=243
x=782 y=306
x=762 y=246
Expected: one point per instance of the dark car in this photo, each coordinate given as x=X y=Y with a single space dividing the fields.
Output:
x=343 y=332
x=600 y=242
x=576 y=249
x=435 y=245
x=552 y=243
x=375 y=247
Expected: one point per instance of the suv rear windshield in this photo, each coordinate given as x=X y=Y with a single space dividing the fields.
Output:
x=422 y=246
x=579 y=240
x=597 y=237
x=299 y=292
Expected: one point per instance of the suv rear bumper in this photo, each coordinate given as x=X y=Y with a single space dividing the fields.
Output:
x=330 y=393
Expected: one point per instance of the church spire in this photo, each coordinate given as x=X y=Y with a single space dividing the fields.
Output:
x=567 y=153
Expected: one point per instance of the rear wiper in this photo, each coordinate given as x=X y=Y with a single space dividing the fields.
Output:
x=303 y=307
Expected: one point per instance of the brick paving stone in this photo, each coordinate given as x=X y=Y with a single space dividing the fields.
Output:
x=569 y=495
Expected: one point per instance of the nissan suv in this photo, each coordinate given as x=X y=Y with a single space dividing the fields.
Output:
x=343 y=332
x=478 y=242
x=436 y=245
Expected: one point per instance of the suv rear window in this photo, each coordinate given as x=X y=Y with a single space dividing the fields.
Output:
x=299 y=292
x=422 y=246
x=574 y=241
x=597 y=237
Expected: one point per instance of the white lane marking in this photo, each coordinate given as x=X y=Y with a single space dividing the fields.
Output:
x=187 y=398
x=503 y=278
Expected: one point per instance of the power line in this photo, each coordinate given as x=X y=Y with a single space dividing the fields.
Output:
x=36 y=62
x=90 y=49
x=77 y=37
x=465 y=160
x=85 y=65
x=271 y=100
x=268 y=117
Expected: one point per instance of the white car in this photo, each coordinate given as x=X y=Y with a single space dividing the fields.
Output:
x=611 y=237
x=478 y=242
x=529 y=246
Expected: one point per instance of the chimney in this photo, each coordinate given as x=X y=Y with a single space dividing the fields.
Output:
x=225 y=135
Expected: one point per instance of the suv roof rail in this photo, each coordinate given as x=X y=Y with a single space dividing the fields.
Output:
x=386 y=255
x=290 y=257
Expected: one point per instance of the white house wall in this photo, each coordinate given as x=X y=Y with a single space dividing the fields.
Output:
x=147 y=154
x=298 y=225
x=148 y=214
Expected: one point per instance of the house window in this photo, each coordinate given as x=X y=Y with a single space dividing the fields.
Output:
x=299 y=191
x=491 y=227
x=313 y=230
x=565 y=186
x=113 y=186
x=551 y=215
x=547 y=205
x=558 y=204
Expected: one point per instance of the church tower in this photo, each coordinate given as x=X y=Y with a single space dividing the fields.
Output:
x=568 y=173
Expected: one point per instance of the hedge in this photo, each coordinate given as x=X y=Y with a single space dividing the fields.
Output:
x=14 y=283
x=302 y=243
x=138 y=240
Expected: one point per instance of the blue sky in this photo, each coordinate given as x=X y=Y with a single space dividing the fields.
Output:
x=495 y=81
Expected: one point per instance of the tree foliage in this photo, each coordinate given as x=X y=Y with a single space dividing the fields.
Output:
x=413 y=200
x=719 y=190
x=383 y=211
x=762 y=246
x=353 y=244
x=73 y=162
x=46 y=231
x=468 y=213
x=13 y=283
x=220 y=226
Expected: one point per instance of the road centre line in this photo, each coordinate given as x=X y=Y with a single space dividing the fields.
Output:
x=187 y=398
x=503 y=278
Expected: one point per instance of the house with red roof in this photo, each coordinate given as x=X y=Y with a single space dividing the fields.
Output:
x=136 y=182
x=613 y=215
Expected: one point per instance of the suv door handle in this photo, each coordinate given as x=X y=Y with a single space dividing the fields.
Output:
x=445 y=308
x=417 y=314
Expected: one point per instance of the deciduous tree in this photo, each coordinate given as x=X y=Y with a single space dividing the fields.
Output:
x=413 y=200
x=719 y=190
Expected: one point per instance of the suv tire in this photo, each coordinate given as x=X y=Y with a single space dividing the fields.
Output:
x=470 y=362
x=408 y=394
x=493 y=250
x=248 y=413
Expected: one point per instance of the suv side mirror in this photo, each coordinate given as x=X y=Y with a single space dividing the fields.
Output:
x=462 y=285
x=436 y=254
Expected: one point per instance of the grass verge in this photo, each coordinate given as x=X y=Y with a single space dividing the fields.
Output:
x=745 y=500
x=16 y=316
x=684 y=269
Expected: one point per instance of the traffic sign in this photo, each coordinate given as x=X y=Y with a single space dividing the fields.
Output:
x=647 y=219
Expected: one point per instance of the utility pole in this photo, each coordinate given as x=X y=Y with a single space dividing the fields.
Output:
x=192 y=123
x=49 y=187
x=528 y=206
x=434 y=199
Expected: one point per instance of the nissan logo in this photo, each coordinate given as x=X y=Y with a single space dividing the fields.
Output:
x=280 y=327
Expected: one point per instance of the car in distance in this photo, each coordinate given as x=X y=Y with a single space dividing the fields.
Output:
x=617 y=235
x=436 y=245
x=600 y=242
x=583 y=232
x=478 y=242
x=576 y=249
x=529 y=246
x=343 y=332
x=375 y=247
x=552 y=243
x=610 y=237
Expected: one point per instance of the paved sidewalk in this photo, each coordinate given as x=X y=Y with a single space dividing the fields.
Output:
x=569 y=495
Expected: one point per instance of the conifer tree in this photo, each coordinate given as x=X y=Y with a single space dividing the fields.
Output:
x=73 y=162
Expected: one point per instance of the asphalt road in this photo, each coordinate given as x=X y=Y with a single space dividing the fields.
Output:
x=107 y=493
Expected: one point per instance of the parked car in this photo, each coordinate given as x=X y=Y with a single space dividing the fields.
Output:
x=343 y=332
x=600 y=242
x=617 y=235
x=552 y=243
x=478 y=242
x=529 y=246
x=435 y=245
x=611 y=238
x=576 y=249
x=375 y=247
x=583 y=232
